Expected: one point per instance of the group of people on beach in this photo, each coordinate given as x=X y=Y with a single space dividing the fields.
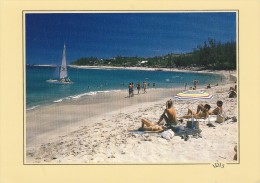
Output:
x=170 y=116
x=138 y=87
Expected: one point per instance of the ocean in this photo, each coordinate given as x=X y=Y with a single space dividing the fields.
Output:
x=89 y=82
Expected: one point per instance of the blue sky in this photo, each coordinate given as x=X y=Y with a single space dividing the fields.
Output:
x=106 y=35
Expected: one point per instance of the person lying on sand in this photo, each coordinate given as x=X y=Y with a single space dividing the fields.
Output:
x=208 y=86
x=169 y=114
x=149 y=126
x=216 y=111
x=202 y=113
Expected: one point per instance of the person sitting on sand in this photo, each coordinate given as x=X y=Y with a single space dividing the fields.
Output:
x=208 y=86
x=169 y=114
x=232 y=94
x=216 y=111
x=202 y=113
x=149 y=126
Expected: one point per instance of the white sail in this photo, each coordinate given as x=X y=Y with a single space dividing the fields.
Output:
x=63 y=67
x=61 y=74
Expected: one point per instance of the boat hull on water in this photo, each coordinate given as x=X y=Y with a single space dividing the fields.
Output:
x=53 y=81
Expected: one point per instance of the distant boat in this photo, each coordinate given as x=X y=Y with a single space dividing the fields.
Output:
x=61 y=73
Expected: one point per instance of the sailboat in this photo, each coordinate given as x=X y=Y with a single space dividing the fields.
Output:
x=61 y=71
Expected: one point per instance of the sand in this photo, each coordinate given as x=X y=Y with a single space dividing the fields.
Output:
x=98 y=130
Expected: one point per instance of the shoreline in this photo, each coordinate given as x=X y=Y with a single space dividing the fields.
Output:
x=228 y=77
x=102 y=136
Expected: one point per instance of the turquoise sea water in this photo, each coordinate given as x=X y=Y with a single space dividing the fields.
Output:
x=88 y=82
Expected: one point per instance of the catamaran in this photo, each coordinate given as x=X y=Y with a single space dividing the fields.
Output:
x=61 y=71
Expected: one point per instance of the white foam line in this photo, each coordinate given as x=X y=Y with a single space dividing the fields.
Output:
x=103 y=91
x=84 y=94
x=33 y=107
x=57 y=101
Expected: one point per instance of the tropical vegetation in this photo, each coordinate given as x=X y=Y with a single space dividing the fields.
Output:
x=210 y=55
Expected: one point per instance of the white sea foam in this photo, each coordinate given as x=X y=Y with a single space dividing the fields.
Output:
x=116 y=90
x=57 y=101
x=33 y=107
x=83 y=94
x=103 y=91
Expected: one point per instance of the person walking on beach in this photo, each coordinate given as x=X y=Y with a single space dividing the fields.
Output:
x=138 y=87
x=185 y=86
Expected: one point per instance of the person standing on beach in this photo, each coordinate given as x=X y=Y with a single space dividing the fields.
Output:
x=129 y=89
x=144 y=86
x=195 y=83
x=132 y=85
x=138 y=87
x=185 y=86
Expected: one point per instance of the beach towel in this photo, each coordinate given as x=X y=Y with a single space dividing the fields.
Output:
x=182 y=130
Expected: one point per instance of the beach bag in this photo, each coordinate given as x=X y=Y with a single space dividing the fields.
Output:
x=168 y=134
x=194 y=124
x=220 y=118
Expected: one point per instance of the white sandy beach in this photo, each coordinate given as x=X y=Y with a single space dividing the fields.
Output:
x=98 y=130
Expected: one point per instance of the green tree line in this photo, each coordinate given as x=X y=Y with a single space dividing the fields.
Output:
x=210 y=55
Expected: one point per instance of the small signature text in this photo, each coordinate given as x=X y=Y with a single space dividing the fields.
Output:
x=218 y=165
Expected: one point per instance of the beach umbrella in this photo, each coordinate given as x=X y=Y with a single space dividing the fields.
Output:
x=193 y=95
